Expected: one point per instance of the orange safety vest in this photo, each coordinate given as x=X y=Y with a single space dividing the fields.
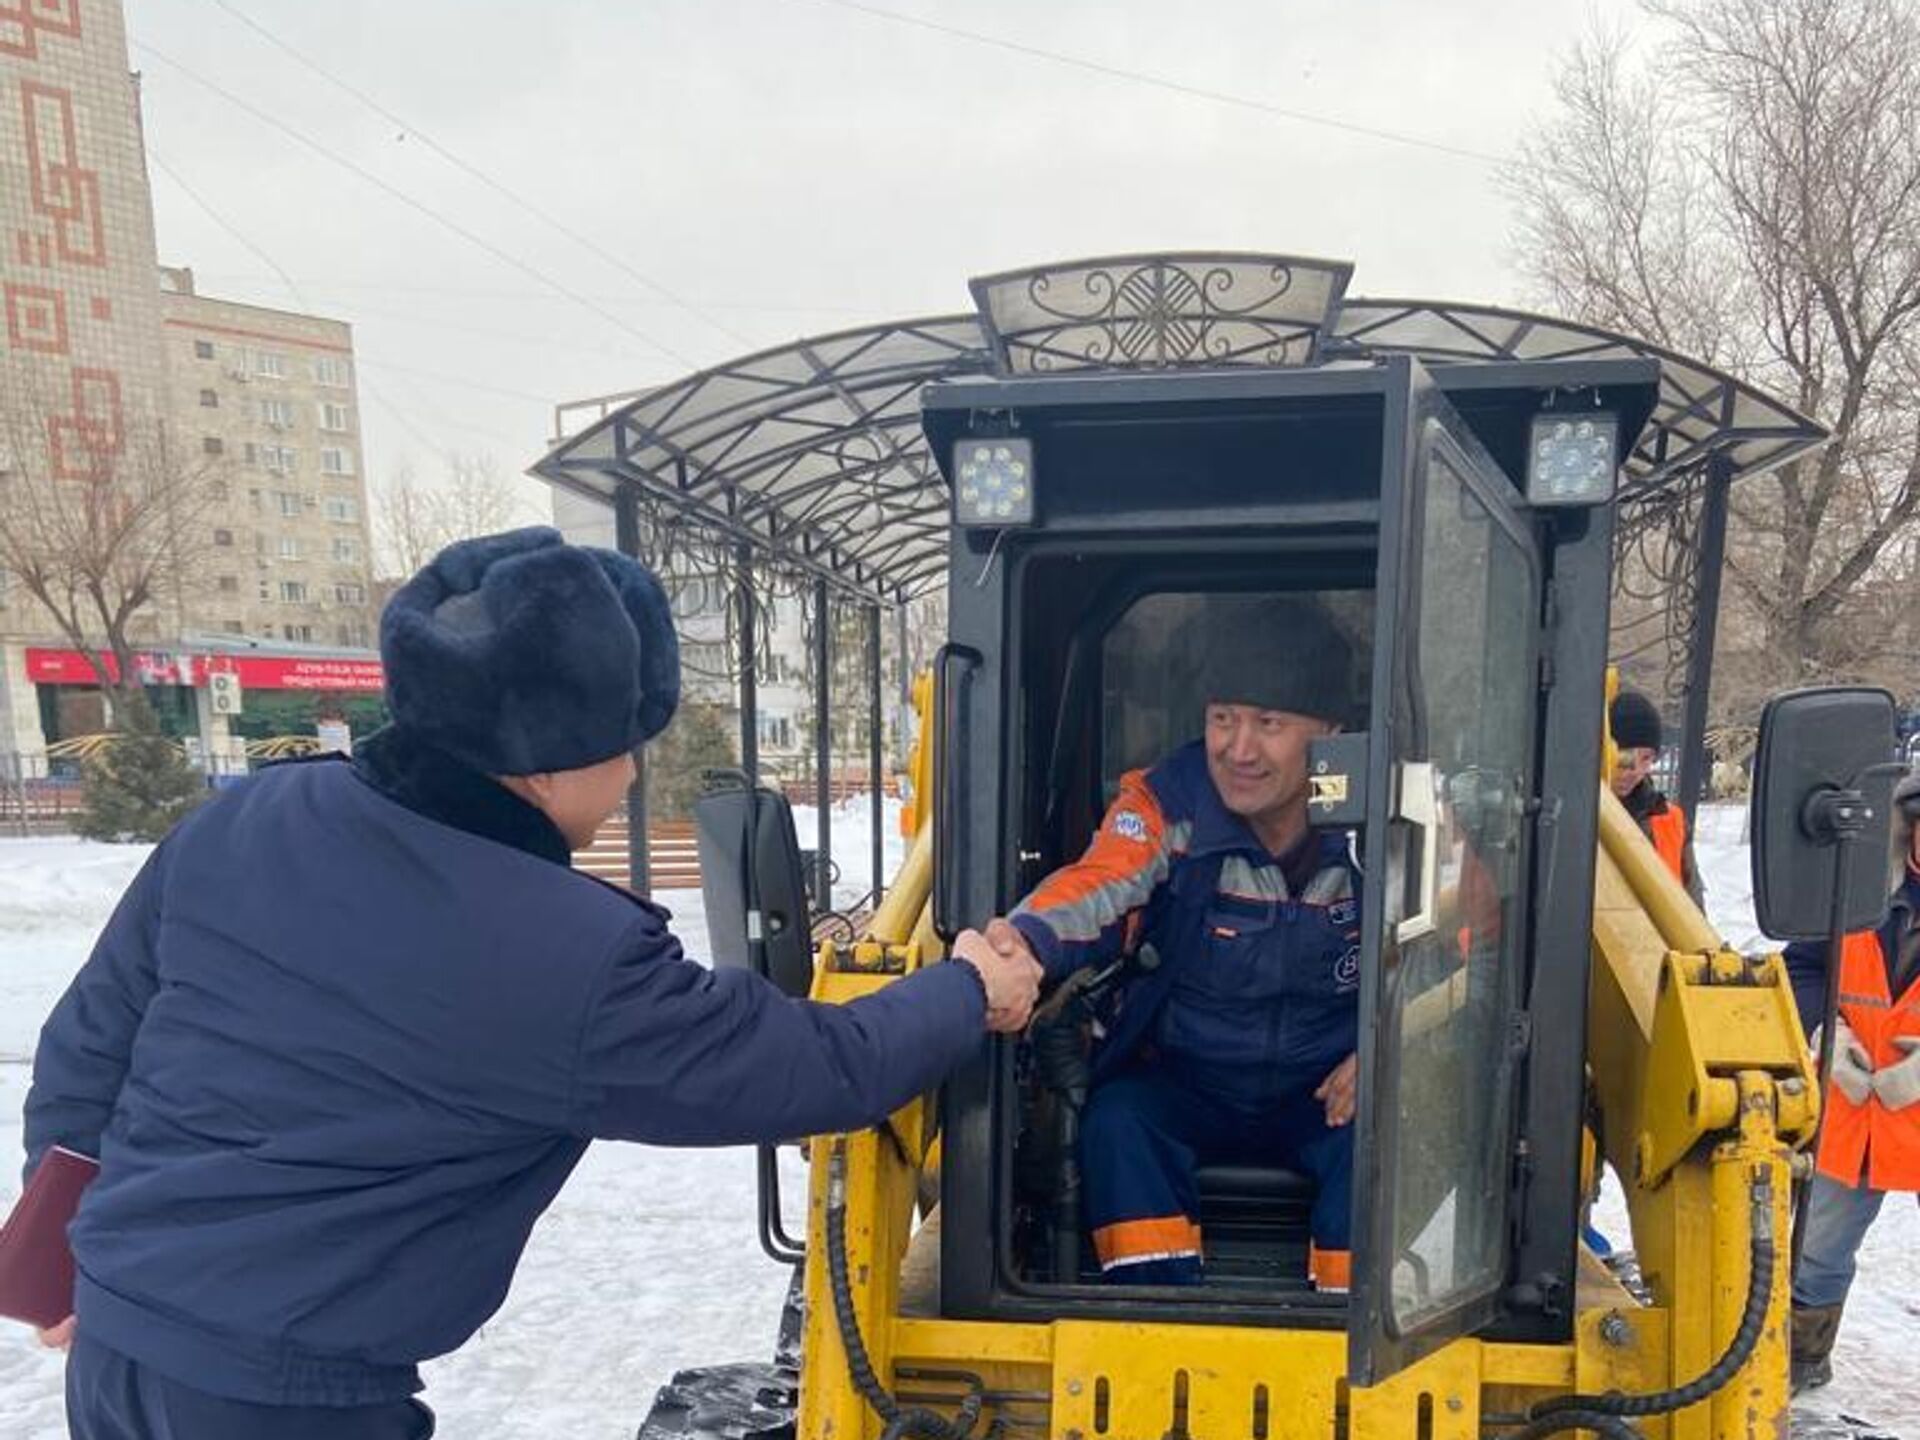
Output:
x=1668 y=830
x=1869 y=1141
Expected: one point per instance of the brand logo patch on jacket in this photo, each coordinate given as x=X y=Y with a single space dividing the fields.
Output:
x=1346 y=973
x=1128 y=825
x=1343 y=912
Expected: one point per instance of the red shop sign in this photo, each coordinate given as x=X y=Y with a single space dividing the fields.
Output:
x=256 y=672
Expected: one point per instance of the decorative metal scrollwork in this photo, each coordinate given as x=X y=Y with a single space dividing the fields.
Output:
x=1158 y=312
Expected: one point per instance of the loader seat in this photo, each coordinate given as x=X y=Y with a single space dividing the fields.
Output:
x=1254 y=1224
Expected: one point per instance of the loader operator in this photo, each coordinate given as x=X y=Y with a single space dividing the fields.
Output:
x=354 y=1024
x=1240 y=1045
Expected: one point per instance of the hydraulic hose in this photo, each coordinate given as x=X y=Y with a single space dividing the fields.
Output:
x=899 y=1421
x=1753 y=1319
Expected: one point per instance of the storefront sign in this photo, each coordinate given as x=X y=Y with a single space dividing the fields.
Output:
x=256 y=672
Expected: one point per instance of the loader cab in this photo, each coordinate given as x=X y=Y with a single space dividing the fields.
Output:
x=1455 y=524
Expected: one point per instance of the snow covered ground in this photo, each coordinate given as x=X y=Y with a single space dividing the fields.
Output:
x=647 y=1262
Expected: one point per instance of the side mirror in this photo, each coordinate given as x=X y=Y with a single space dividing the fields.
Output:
x=1822 y=784
x=753 y=882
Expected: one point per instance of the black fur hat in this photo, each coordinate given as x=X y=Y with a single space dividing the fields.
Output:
x=520 y=654
x=1634 y=721
x=1279 y=653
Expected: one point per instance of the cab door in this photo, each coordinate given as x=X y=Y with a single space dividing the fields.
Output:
x=1451 y=778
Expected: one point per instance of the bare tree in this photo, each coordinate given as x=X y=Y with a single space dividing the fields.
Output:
x=1747 y=188
x=415 y=520
x=101 y=523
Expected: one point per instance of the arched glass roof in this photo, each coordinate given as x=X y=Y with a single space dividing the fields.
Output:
x=811 y=454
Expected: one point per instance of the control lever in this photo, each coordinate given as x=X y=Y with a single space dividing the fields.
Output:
x=1087 y=985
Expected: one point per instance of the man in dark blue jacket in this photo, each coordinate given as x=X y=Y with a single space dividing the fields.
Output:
x=1241 y=1045
x=354 y=1024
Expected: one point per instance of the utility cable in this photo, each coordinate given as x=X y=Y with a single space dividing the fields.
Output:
x=1161 y=82
x=394 y=192
x=474 y=172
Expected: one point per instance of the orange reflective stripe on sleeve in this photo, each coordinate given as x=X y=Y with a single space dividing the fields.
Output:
x=1330 y=1269
x=1129 y=856
x=1134 y=1242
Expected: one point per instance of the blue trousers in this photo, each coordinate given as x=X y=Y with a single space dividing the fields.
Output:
x=1146 y=1132
x=110 y=1397
x=1838 y=1218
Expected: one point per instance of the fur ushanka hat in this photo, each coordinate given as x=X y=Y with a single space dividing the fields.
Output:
x=521 y=654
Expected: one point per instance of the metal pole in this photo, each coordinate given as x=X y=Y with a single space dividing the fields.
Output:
x=1706 y=622
x=876 y=779
x=626 y=539
x=822 y=748
x=749 y=685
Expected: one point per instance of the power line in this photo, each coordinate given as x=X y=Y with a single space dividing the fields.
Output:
x=586 y=242
x=394 y=192
x=1161 y=82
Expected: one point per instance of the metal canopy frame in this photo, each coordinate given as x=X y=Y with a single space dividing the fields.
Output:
x=810 y=456
x=808 y=459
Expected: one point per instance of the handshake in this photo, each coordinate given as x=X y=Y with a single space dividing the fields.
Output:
x=1007 y=969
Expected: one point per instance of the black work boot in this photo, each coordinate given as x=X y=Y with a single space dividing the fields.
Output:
x=1811 y=1344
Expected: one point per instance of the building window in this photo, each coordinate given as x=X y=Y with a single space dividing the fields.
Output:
x=234 y=627
x=346 y=594
x=776 y=732
x=298 y=632
x=346 y=552
x=335 y=461
x=223 y=537
x=217 y=489
x=269 y=364
x=229 y=584
x=289 y=547
x=293 y=592
x=354 y=633
x=335 y=417
x=331 y=370
x=276 y=459
x=287 y=503
x=203 y=349
x=210 y=399
x=266 y=593
x=343 y=508
x=277 y=413
x=213 y=445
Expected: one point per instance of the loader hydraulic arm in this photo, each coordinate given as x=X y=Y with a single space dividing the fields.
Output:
x=1703 y=1089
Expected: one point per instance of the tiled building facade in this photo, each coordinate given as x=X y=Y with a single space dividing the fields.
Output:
x=106 y=362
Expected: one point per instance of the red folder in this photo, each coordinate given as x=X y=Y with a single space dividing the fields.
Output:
x=36 y=1267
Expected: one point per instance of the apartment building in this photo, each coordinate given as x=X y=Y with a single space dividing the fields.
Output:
x=268 y=399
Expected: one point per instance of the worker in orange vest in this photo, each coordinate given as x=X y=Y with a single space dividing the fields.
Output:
x=1870 y=1136
x=1636 y=735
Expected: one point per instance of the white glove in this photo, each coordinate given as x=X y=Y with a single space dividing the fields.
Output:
x=1898 y=1086
x=1852 y=1066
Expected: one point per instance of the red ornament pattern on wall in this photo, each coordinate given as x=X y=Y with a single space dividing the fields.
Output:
x=62 y=189
x=36 y=319
x=22 y=22
x=84 y=444
x=67 y=229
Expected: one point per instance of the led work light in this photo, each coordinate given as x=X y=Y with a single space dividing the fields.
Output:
x=993 y=482
x=1571 y=458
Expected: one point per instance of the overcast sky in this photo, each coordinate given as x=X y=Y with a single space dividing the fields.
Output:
x=766 y=169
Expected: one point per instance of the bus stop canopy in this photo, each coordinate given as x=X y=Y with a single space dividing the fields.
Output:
x=809 y=456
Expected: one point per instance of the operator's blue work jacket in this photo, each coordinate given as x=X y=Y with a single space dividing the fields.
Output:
x=350 y=1030
x=1256 y=996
